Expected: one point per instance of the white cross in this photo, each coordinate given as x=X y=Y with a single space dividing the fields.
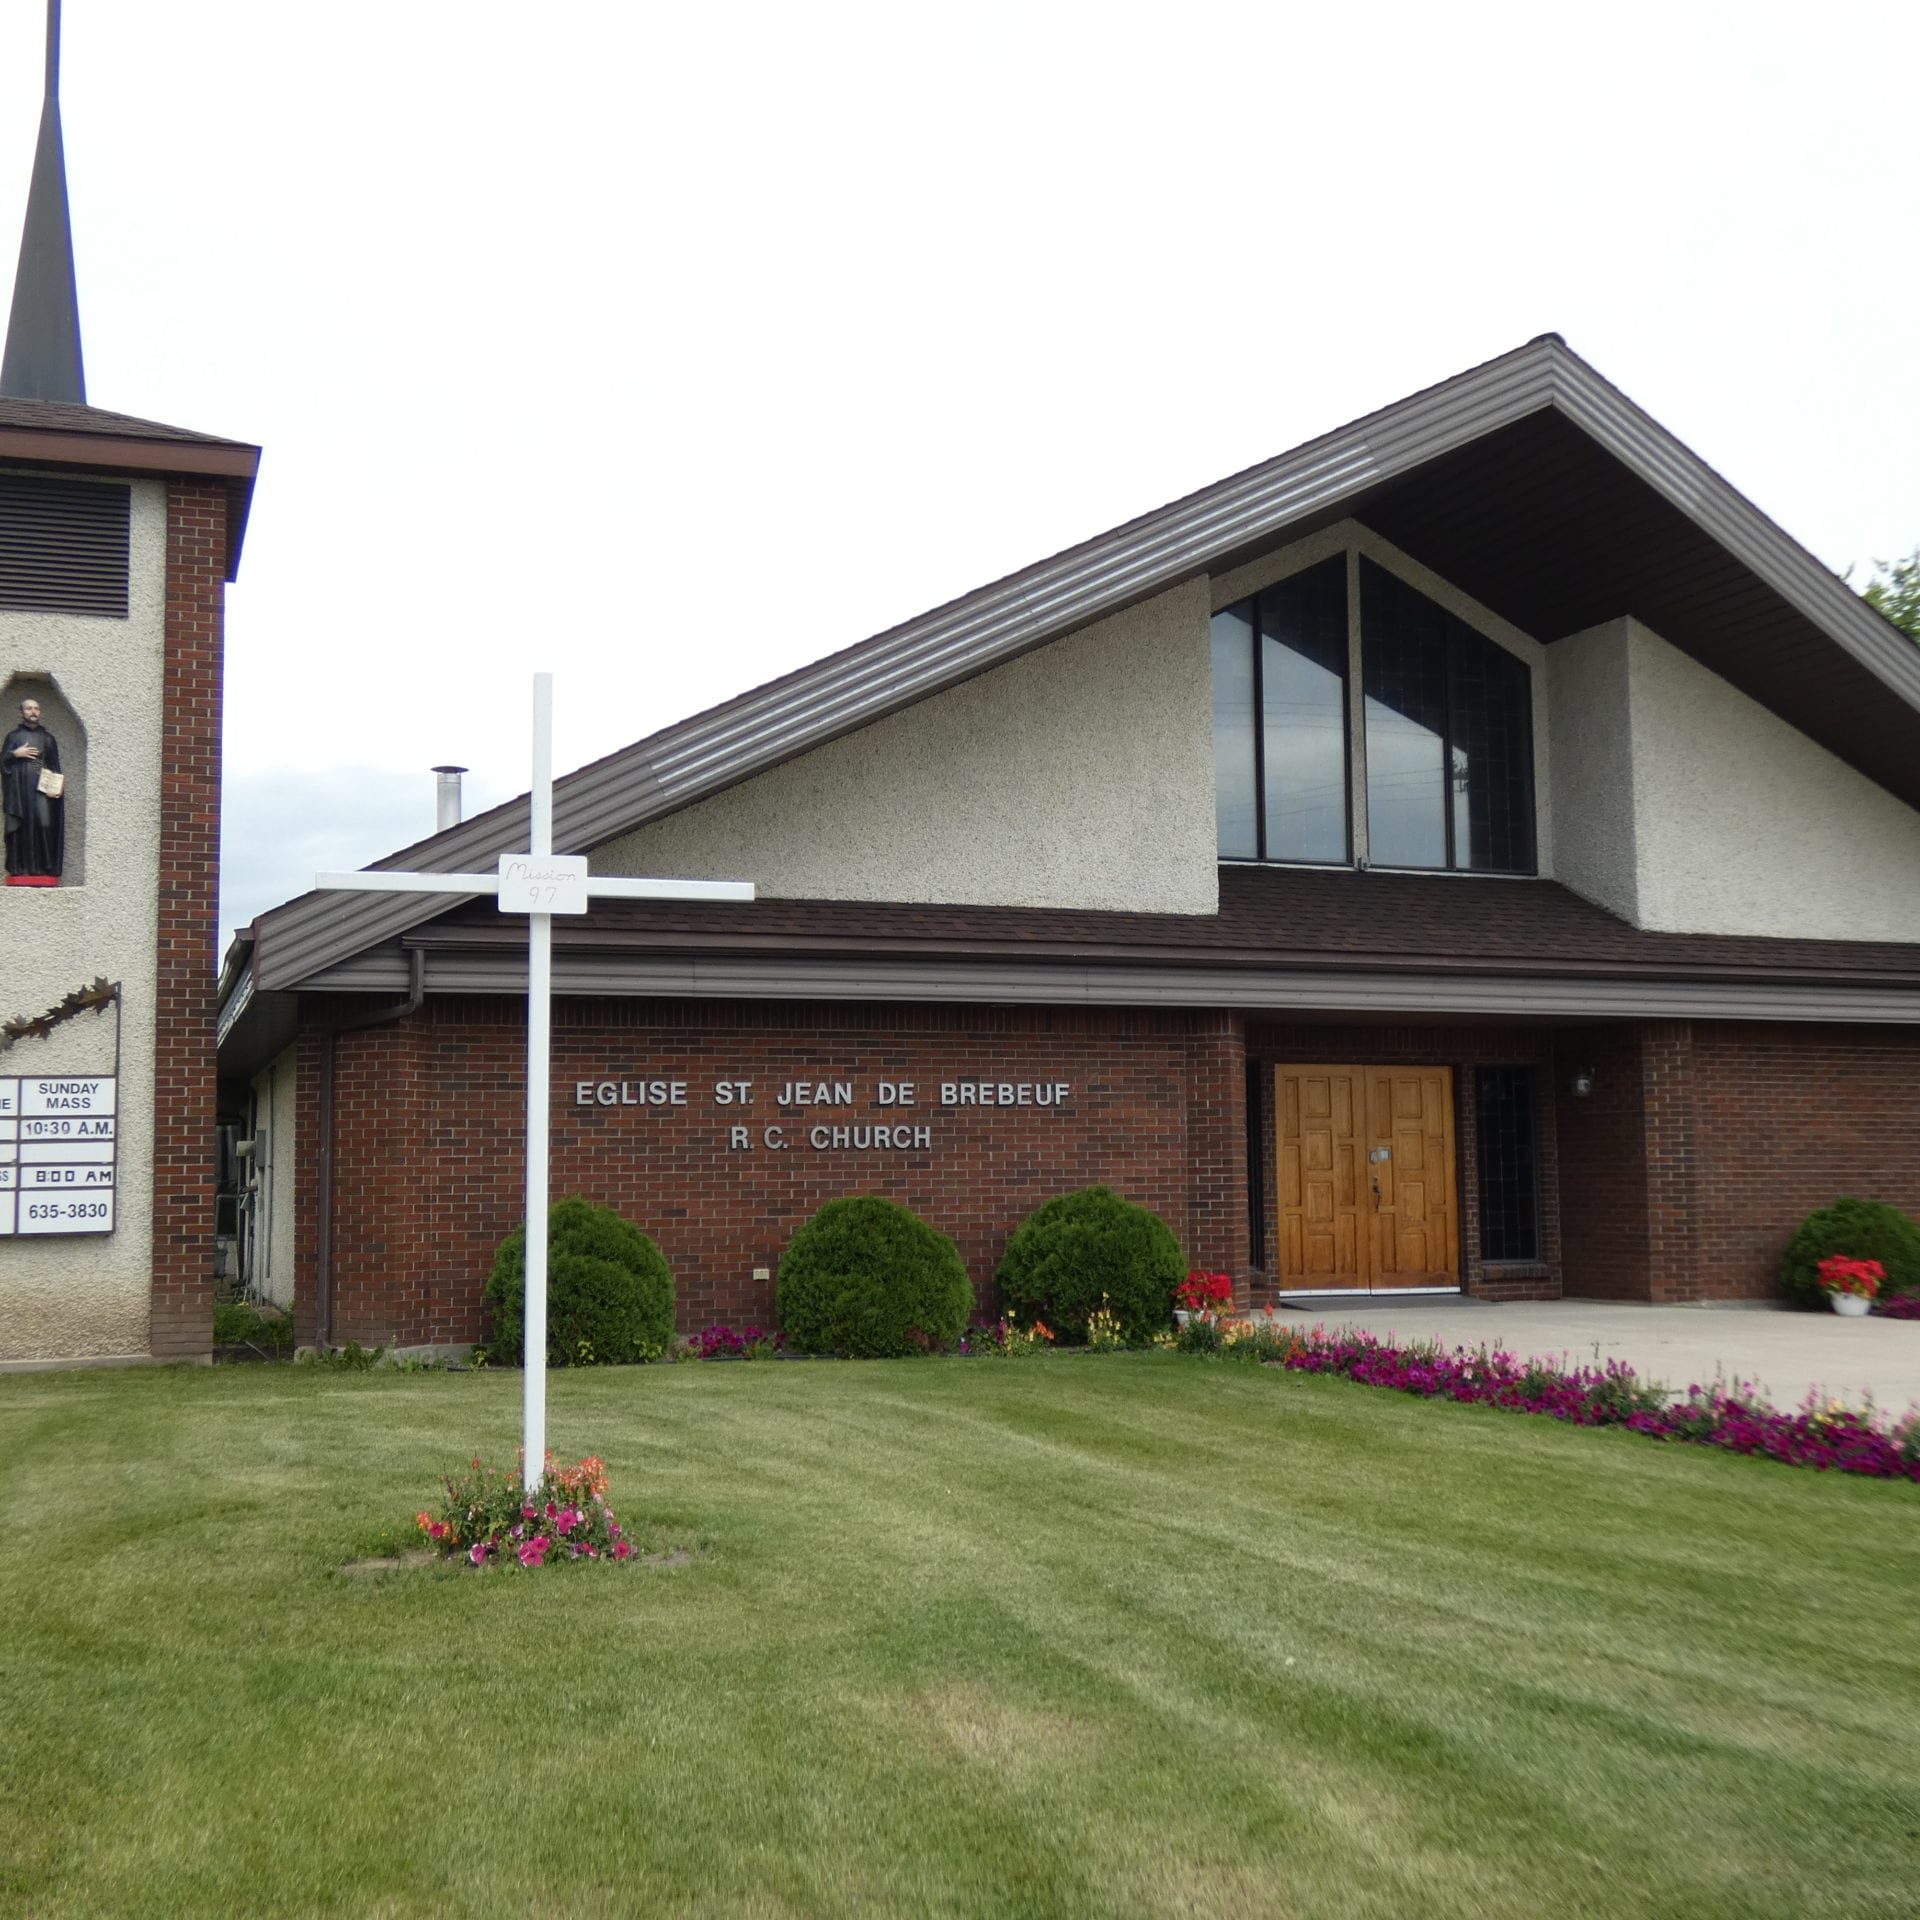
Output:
x=538 y=883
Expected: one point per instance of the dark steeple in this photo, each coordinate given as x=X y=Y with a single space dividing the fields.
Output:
x=43 y=333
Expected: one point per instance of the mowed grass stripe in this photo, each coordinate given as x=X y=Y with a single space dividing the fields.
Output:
x=1135 y=1635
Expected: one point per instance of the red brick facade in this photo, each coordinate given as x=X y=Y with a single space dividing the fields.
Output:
x=430 y=1134
x=1680 y=1177
x=1703 y=1146
x=181 y=1320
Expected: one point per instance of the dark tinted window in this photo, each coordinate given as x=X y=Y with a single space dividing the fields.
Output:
x=1303 y=692
x=1234 y=785
x=1449 y=727
x=1509 y=1186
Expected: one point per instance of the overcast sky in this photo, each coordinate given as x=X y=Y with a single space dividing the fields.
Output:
x=670 y=347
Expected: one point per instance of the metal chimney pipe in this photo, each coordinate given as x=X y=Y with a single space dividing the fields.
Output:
x=446 y=797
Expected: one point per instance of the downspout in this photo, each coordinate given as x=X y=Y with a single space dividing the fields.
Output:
x=323 y=1226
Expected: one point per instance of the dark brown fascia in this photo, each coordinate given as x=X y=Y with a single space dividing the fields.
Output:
x=1229 y=960
x=233 y=461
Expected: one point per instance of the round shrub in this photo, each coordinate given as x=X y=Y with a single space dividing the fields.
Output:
x=1863 y=1229
x=870 y=1278
x=609 y=1291
x=1069 y=1253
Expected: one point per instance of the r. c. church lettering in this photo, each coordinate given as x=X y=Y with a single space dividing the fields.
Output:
x=792 y=1097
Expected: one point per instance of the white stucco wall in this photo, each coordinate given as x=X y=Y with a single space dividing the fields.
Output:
x=1744 y=825
x=275 y=1166
x=1589 y=722
x=87 y=1295
x=1080 y=775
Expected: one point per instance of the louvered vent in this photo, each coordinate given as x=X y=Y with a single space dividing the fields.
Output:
x=63 y=545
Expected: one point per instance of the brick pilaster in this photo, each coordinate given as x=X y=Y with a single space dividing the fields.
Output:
x=181 y=1315
x=1217 y=1235
x=1673 y=1168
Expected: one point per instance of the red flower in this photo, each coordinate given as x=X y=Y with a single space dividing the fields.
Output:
x=1839 y=1274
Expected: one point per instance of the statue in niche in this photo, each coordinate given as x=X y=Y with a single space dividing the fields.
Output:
x=32 y=790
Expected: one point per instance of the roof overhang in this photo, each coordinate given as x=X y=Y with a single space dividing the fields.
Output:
x=1529 y=481
x=61 y=448
x=1565 y=995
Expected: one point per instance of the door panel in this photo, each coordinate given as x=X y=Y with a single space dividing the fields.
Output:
x=1323 y=1230
x=1414 y=1243
x=1365 y=1171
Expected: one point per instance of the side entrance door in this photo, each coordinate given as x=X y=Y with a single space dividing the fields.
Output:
x=1366 y=1178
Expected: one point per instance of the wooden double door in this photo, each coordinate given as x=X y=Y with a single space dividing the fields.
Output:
x=1366 y=1178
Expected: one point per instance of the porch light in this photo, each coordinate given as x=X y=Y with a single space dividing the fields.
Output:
x=1582 y=1083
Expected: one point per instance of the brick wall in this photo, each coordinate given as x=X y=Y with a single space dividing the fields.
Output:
x=181 y=1316
x=1703 y=1147
x=1787 y=1119
x=1217 y=1218
x=1680 y=1178
x=430 y=1129
x=1462 y=1049
x=1603 y=1164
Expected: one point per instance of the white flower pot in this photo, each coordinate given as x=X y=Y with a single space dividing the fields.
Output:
x=1856 y=1306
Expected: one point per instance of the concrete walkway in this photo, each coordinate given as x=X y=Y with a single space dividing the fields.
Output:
x=1786 y=1353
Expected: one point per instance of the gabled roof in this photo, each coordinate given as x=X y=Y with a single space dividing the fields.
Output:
x=1529 y=481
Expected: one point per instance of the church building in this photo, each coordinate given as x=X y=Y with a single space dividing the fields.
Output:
x=1474 y=851
x=117 y=539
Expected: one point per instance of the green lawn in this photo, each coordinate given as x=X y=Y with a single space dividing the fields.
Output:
x=1075 y=1636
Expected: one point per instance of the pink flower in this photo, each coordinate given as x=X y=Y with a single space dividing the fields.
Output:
x=622 y=1549
x=527 y=1513
x=477 y=1553
x=552 y=1510
x=567 y=1519
x=534 y=1551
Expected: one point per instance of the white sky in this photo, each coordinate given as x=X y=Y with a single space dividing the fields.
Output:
x=670 y=347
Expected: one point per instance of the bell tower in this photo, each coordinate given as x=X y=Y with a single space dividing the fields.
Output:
x=118 y=537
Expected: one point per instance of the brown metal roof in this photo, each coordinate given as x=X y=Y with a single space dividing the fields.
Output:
x=1530 y=482
x=1269 y=917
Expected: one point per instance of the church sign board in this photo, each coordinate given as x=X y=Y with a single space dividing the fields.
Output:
x=58 y=1141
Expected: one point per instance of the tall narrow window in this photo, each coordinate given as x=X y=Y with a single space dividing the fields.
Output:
x=1303 y=705
x=1280 y=721
x=1403 y=645
x=1449 y=718
x=1509 y=1184
x=1492 y=757
x=1235 y=754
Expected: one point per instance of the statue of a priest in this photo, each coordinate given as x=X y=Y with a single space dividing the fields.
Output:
x=36 y=821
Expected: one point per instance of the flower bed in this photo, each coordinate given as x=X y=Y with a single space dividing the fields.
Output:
x=1829 y=1436
x=488 y=1516
x=725 y=1343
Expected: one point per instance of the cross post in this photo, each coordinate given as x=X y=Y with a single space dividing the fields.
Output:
x=538 y=883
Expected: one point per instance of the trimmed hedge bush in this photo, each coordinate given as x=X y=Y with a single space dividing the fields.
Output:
x=870 y=1278
x=609 y=1291
x=1863 y=1229
x=1067 y=1254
